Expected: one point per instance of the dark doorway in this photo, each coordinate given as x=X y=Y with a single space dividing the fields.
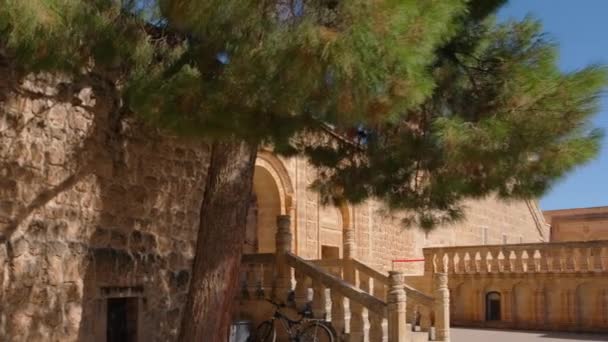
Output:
x=330 y=252
x=122 y=320
x=493 y=306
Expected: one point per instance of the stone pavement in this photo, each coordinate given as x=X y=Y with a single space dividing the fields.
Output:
x=488 y=335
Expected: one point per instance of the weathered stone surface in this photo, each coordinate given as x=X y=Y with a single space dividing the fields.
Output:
x=82 y=205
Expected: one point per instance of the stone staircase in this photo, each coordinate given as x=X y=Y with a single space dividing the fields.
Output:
x=361 y=303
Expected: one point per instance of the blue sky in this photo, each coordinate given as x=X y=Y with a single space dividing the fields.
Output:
x=581 y=30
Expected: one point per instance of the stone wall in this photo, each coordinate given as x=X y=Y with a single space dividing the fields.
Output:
x=579 y=224
x=541 y=286
x=92 y=206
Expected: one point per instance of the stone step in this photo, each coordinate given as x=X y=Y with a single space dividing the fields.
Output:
x=419 y=336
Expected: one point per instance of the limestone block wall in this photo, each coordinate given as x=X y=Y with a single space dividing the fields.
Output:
x=546 y=286
x=92 y=206
x=580 y=224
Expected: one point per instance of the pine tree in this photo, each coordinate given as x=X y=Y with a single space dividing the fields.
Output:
x=435 y=102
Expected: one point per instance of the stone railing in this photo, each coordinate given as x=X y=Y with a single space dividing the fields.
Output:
x=375 y=300
x=420 y=306
x=562 y=257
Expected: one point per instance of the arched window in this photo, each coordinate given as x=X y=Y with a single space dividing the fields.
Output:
x=493 y=306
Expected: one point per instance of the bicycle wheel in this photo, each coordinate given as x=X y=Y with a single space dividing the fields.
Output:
x=316 y=332
x=265 y=332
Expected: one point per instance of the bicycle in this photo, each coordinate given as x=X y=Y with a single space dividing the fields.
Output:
x=304 y=329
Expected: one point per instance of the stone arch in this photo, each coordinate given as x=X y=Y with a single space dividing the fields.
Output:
x=274 y=166
x=493 y=303
x=272 y=196
x=461 y=299
x=586 y=304
x=523 y=305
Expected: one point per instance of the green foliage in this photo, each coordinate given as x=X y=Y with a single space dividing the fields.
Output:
x=503 y=119
x=453 y=105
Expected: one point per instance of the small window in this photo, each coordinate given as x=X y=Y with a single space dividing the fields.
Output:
x=504 y=239
x=484 y=236
x=521 y=239
x=493 y=306
x=122 y=319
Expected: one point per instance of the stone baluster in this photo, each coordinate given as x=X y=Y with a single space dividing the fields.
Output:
x=458 y=262
x=545 y=260
x=375 y=327
x=596 y=259
x=451 y=262
x=357 y=327
x=494 y=265
x=319 y=302
x=429 y=266
x=483 y=260
x=301 y=290
x=283 y=246
x=467 y=258
x=560 y=263
x=519 y=261
x=441 y=261
x=396 y=300
x=442 y=307
x=586 y=263
x=268 y=277
x=569 y=259
x=337 y=313
x=604 y=259
x=530 y=262
x=508 y=261
x=477 y=260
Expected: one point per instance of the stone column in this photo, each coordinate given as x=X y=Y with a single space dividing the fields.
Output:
x=396 y=300
x=442 y=307
x=349 y=244
x=283 y=246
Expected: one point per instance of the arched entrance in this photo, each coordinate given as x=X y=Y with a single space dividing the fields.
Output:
x=271 y=197
x=493 y=300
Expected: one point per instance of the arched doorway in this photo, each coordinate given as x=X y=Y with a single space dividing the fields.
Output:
x=493 y=300
x=267 y=206
x=271 y=196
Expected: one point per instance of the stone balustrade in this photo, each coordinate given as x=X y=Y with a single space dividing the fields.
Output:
x=562 y=257
x=364 y=304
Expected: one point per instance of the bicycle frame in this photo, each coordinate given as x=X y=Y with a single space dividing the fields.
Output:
x=288 y=324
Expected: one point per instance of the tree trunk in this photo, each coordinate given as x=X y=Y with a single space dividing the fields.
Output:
x=208 y=309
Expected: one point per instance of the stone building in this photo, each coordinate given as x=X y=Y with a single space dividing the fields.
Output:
x=580 y=224
x=98 y=219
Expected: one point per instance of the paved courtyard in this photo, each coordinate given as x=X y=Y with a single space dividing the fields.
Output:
x=487 y=335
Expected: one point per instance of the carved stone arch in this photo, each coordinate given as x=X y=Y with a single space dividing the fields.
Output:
x=275 y=167
x=273 y=195
x=524 y=305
